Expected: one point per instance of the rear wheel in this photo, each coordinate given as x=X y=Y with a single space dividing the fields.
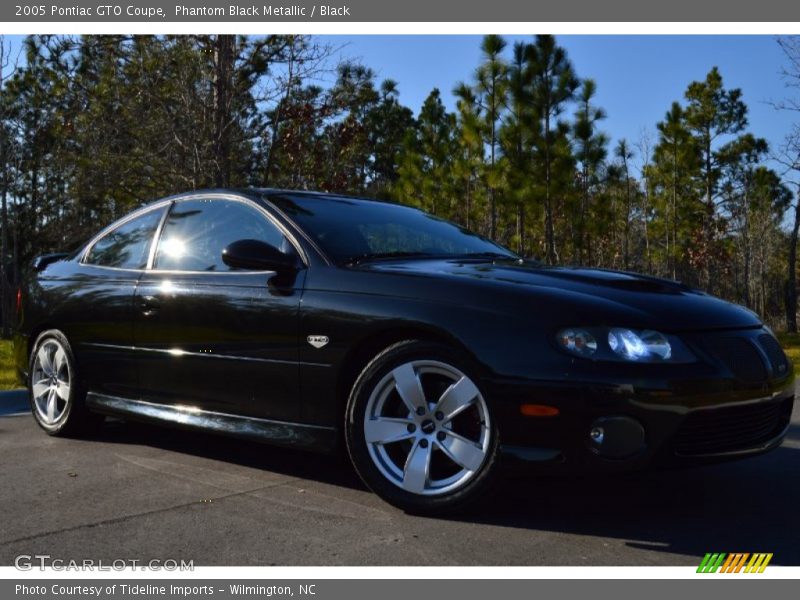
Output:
x=419 y=430
x=56 y=396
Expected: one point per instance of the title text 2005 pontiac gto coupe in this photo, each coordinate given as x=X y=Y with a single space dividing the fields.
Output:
x=301 y=319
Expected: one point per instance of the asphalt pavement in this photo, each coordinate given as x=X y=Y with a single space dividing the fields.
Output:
x=142 y=492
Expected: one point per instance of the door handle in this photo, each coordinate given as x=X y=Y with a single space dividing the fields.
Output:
x=149 y=304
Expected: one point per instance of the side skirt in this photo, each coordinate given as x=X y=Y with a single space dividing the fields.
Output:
x=292 y=435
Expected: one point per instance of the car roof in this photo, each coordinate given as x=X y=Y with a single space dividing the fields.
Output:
x=263 y=193
x=266 y=193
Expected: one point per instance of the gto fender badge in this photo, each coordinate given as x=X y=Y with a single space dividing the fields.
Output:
x=318 y=341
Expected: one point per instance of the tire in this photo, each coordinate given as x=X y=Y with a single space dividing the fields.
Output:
x=55 y=392
x=441 y=456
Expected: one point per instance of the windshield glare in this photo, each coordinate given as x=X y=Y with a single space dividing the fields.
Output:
x=349 y=230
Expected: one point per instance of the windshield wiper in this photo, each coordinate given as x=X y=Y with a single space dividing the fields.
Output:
x=361 y=258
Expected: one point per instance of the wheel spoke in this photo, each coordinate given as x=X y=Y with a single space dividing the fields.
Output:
x=385 y=430
x=457 y=398
x=40 y=388
x=59 y=359
x=409 y=387
x=51 y=406
x=62 y=389
x=415 y=473
x=41 y=404
x=462 y=451
x=45 y=361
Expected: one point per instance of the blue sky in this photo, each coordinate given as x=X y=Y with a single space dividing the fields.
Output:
x=638 y=77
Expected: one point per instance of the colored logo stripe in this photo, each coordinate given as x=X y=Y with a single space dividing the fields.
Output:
x=734 y=562
x=758 y=563
x=711 y=562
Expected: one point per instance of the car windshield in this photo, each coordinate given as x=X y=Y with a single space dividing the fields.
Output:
x=350 y=230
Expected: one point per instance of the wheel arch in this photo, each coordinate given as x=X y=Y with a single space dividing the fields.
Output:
x=34 y=334
x=372 y=344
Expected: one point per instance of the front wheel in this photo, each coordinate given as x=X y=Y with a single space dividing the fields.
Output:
x=419 y=430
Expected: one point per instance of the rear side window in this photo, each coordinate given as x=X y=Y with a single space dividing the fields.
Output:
x=127 y=246
x=197 y=231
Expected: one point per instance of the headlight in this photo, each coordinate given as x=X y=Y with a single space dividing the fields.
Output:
x=578 y=341
x=622 y=344
x=637 y=346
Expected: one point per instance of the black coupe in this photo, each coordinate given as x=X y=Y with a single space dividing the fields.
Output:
x=306 y=319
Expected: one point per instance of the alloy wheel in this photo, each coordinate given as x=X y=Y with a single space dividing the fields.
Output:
x=50 y=382
x=427 y=427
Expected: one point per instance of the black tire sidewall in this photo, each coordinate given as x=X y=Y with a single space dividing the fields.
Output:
x=376 y=370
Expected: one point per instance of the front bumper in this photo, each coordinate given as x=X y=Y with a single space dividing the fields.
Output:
x=667 y=416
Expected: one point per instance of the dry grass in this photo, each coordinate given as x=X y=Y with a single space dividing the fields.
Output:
x=8 y=375
x=791 y=345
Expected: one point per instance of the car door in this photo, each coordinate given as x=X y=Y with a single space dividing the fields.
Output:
x=211 y=337
x=97 y=303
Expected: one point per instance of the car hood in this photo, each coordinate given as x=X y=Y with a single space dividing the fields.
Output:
x=600 y=294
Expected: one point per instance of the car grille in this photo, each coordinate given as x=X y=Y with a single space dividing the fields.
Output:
x=775 y=354
x=731 y=428
x=740 y=356
x=750 y=358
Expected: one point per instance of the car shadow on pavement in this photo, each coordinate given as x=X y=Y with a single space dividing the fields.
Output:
x=744 y=506
x=331 y=469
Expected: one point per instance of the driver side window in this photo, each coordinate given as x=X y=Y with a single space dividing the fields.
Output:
x=196 y=232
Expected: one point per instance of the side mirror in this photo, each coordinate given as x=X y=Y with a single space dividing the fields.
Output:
x=40 y=262
x=255 y=255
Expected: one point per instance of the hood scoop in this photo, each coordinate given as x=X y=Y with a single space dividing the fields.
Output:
x=619 y=280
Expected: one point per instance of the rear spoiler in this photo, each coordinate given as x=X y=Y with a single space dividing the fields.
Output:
x=40 y=262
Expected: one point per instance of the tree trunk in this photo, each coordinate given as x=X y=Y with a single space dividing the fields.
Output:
x=492 y=201
x=791 y=282
x=709 y=222
x=628 y=205
x=223 y=84
x=4 y=280
x=645 y=224
x=549 y=230
x=4 y=303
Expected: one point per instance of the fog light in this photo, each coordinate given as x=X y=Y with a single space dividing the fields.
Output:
x=596 y=434
x=616 y=437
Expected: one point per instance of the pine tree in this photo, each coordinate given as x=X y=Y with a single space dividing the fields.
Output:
x=553 y=86
x=516 y=136
x=712 y=113
x=590 y=151
x=426 y=169
x=387 y=123
x=675 y=166
x=468 y=141
x=490 y=92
